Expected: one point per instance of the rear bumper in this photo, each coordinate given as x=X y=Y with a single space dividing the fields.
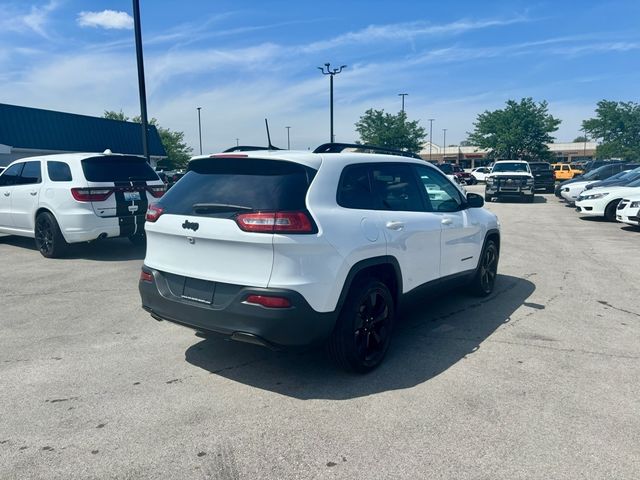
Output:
x=229 y=315
x=88 y=226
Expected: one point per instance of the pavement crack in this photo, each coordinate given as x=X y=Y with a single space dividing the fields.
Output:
x=607 y=304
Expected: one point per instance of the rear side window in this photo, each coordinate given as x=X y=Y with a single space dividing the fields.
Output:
x=224 y=186
x=117 y=168
x=30 y=173
x=387 y=186
x=59 y=172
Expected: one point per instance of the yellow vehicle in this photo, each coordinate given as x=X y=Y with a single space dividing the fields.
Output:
x=565 y=171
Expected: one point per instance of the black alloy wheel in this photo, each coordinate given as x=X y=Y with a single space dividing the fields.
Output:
x=49 y=240
x=363 y=331
x=485 y=277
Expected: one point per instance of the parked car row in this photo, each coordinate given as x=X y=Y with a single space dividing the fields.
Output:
x=611 y=191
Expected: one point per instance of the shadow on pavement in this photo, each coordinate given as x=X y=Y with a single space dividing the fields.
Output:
x=108 y=250
x=432 y=336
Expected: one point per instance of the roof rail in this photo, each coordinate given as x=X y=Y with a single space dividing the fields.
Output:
x=339 y=147
x=249 y=148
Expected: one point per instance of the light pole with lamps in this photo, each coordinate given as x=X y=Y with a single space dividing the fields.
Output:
x=327 y=70
x=199 y=129
x=430 y=136
x=141 y=84
x=444 y=143
x=402 y=95
x=288 y=138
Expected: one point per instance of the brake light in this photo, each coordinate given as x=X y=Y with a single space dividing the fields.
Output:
x=91 y=194
x=269 y=302
x=275 y=222
x=146 y=276
x=153 y=213
x=156 y=190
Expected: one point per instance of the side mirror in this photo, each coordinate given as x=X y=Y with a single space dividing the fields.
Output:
x=474 y=200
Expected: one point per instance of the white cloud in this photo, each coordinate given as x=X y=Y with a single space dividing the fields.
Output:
x=15 y=20
x=109 y=19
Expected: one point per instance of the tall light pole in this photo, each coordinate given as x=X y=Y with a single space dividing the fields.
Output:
x=288 y=138
x=430 y=136
x=402 y=95
x=327 y=70
x=199 y=129
x=584 y=151
x=444 y=143
x=237 y=142
x=141 y=86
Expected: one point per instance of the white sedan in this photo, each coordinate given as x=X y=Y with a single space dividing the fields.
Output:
x=603 y=201
x=480 y=173
x=629 y=210
x=571 y=191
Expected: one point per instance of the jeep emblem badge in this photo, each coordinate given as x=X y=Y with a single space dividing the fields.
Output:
x=187 y=225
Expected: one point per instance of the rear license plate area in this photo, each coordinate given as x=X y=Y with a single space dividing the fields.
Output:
x=131 y=196
x=197 y=290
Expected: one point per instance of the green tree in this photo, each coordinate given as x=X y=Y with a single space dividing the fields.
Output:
x=519 y=131
x=178 y=153
x=580 y=139
x=617 y=127
x=394 y=131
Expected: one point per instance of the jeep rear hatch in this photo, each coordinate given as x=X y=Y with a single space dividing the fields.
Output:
x=218 y=222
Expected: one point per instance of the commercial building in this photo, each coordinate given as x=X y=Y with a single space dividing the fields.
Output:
x=470 y=157
x=27 y=132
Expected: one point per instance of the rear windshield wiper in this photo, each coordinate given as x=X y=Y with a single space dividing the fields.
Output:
x=218 y=207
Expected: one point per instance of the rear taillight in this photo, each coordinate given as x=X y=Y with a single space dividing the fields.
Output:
x=275 y=222
x=91 y=194
x=146 y=276
x=268 y=301
x=153 y=213
x=156 y=190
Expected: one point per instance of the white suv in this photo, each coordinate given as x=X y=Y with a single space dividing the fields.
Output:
x=76 y=197
x=284 y=248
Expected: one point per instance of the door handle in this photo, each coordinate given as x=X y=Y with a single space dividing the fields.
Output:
x=395 y=225
x=446 y=221
x=33 y=194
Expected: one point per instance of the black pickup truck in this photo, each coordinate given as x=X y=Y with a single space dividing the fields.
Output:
x=543 y=176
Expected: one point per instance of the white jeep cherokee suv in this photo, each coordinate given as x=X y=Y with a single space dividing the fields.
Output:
x=285 y=248
x=510 y=179
x=76 y=197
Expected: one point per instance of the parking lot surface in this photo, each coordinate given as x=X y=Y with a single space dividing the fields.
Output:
x=539 y=380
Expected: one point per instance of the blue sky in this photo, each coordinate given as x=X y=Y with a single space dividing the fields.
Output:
x=242 y=61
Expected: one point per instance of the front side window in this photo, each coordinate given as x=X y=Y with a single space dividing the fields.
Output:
x=442 y=194
x=11 y=175
x=30 y=173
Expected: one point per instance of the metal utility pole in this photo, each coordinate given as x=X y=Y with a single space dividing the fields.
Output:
x=288 y=138
x=199 y=129
x=430 y=136
x=327 y=70
x=141 y=85
x=402 y=95
x=444 y=143
x=237 y=142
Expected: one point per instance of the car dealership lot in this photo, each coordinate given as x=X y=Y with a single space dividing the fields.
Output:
x=539 y=380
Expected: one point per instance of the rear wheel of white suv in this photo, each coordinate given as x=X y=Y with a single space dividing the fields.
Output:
x=49 y=239
x=362 y=333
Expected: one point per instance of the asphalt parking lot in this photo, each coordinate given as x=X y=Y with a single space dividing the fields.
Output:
x=540 y=380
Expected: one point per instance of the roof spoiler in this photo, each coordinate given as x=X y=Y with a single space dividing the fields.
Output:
x=339 y=147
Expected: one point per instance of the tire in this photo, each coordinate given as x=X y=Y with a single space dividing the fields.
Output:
x=363 y=331
x=49 y=240
x=610 y=211
x=472 y=181
x=530 y=199
x=485 y=276
x=139 y=239
x=550 y=189
x=488 y=198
